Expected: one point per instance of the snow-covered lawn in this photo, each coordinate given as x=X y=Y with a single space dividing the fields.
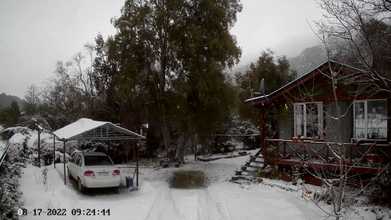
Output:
x=156 y=200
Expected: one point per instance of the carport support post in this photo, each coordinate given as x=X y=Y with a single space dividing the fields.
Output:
x=262 y=127
x=65 y=175
x=137 y=167
x=54 y=151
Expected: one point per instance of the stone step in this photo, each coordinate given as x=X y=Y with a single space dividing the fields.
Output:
x=257 y=155
x=253 y=157
x=241 y=177
x=257 y=161
x=256 y=165
x=252 y=173
x=238 y=172
x=248 y=172
x=252 y=167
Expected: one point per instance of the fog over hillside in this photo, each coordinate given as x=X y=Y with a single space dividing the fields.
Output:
x=6 y=100
x=308 y=59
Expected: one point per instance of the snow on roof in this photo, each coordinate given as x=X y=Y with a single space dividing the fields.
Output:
x=85 y=125
x=80 y=126
x=256 y=98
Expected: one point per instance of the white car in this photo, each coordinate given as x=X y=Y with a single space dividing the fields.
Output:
x=93 y=170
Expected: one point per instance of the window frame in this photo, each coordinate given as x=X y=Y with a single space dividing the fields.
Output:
x=365 y=101
x=320 y=118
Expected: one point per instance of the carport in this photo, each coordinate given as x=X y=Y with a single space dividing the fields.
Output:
x=86 y=129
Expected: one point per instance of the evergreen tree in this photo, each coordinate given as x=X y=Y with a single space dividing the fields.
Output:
x=207 y=95
x=274 y=71
x=9 y=116
x=166 y=66
x=14 y=112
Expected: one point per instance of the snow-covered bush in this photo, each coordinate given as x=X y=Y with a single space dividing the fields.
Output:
x=380 y=191
x=239 y=126
x=244 y=132
x=10 y=172
x=9 y=132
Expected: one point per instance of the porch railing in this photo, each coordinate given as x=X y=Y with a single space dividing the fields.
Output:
x=363 y=157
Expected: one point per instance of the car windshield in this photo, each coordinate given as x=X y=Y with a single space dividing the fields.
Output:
x=97 y=160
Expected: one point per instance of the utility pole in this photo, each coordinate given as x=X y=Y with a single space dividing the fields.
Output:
x=54 y=151
x=65 y=173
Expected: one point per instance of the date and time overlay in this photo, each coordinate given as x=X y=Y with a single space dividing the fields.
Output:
x=64 y=212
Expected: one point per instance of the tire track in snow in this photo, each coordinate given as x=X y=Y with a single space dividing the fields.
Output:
x=154 y=204
x=206 y=206
x=221 y=208
x=210 y=209
x=163 y=207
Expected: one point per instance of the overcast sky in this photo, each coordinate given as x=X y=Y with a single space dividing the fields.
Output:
x=34 y=34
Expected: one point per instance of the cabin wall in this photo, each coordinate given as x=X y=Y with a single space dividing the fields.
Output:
x=332 y=129
x=341 y=131
x=285 y=124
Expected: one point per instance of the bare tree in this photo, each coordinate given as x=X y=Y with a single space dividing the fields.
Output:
x=358 y=25
x=32 y=98
x=353 y=32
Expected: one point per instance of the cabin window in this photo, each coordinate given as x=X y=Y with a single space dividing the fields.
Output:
x=308 y=119
x=370 y=119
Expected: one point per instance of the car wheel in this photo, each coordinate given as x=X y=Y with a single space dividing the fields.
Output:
x=80 y=186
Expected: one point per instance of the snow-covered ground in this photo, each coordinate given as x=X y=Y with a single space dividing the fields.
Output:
x=156 y=200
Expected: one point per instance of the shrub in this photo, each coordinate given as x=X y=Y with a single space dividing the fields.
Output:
x=10 y=172
x=380 y=189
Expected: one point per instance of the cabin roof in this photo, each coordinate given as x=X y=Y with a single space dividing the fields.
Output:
x=263 y=99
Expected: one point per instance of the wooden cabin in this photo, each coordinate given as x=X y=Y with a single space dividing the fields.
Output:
x=312 y=122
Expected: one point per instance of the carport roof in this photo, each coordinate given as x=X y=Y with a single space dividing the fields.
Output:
x=88 y=129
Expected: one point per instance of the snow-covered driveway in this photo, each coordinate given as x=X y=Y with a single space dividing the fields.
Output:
x=156 y=201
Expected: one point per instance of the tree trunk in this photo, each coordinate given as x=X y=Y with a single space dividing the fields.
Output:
x=180 y=149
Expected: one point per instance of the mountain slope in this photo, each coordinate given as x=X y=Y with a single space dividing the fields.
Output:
x=308 y=59
x=6 y=100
